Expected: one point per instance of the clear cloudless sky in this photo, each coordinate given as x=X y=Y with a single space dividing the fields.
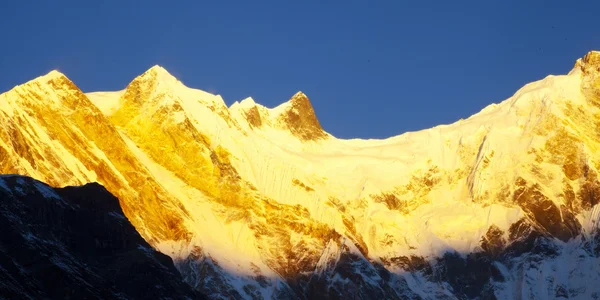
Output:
x=372 y=69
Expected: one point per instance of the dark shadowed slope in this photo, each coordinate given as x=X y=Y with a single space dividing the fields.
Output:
x=75 y=243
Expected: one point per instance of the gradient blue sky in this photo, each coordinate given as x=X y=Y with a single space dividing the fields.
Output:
x=370 y=70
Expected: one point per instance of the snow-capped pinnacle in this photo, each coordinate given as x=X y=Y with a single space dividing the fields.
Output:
x=158 y=74
x=53 y=80
x=50 y=76
x=154 y=79
x=299 y=117
x=157 y=69
x=52 y=90
x=247 y=103
x=299 y=95
x=54 y=74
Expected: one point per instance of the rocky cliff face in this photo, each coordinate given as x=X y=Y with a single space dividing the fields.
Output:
x=75 y=243
x=252 y=202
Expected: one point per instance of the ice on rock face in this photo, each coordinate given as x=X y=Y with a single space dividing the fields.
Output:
x=269 y=201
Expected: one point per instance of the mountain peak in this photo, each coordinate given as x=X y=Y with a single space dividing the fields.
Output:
x=299 y=95
x=248 y=103
x=53 y=81
x=157 y=74
x=589 y=68
x=299 y=117
x=157 y=69
x=301 y=104
x=146 y=84
x=53 y=75
x=590 y=63
x=301 y=101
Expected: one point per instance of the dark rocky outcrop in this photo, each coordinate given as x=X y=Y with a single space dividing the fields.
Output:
x=499 y=263
x=75 y=243
x=301 y=120
x=557 y=221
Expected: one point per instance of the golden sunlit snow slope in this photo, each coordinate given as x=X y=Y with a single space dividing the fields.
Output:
x=265 y=199
x=51 y=131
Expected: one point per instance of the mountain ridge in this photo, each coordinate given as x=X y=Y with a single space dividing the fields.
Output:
x=588 y=64
x=265 y=203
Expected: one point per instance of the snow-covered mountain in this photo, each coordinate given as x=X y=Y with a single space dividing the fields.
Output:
x=252 y=202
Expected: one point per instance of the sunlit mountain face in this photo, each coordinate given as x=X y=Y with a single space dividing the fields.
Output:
x=253 y=202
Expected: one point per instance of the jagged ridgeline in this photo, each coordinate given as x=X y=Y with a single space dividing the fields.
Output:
x=253 y=202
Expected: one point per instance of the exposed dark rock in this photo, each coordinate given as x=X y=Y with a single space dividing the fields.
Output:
x=206 y=276
x=590 y=67
x=557 y=221
x=75 y=243
x=468 y=276
x=589 y=194
x=253 y=117
x=301 y=120
x=493 y=242
x=352 y=276
x=476 y=275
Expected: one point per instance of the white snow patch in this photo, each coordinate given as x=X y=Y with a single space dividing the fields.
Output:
x=4 y=186
x=48 y=192
x=117 y=215
x=107 y=102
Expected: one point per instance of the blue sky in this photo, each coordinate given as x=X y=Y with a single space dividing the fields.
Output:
x=372 y=69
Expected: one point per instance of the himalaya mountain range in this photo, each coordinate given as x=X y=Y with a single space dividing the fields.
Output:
x=164 y=191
